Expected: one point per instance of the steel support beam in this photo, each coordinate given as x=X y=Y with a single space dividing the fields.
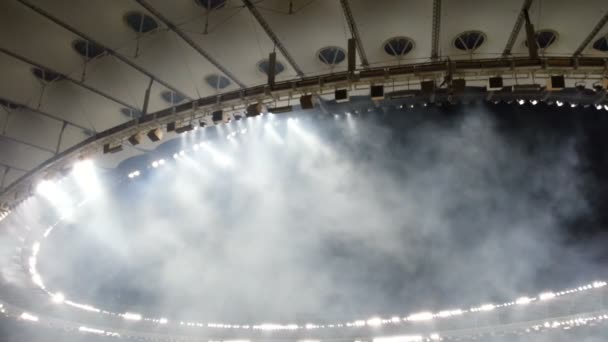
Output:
x=112 y=52
x=518 y=24
x=13 y=167
x=258 y=16
x=189 y=41
x=352 y=25
x=72 y=80
x=22 y=142
x=436 y=29
x=16 y=190
x=50 y=116
x=591 y=35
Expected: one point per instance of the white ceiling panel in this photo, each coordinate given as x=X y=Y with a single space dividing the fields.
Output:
x=303 y=37
x=399 y=18
x=21 y=156
x=494 y=18
x=572 y=20
x=233 y=37
x=32 y=128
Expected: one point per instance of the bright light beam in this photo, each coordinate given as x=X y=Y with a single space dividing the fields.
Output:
x=60 y=200
x=219 y=158
x=132 y=316
x=272 y=133
x=29 y=317
x=86 y=177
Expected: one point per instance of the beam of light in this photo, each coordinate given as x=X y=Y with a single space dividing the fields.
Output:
x=91 y=330
x=402 y=338
x=36 y=279
x=272 y=133
x=86 y=177
x=82 y=306
x=435 y=337
x=559 y=103
x=58 y=198
x=534 y=102
x=163 y=321
x=35 y=248
x=309 y=139
x=29 y=317
x=350 y=120
x=58 y=298
x=132 y=316
x=547 y=296
x=421 y=316
x=218 y=157
x=521 y=101
x=598 y=106
x=32 y=263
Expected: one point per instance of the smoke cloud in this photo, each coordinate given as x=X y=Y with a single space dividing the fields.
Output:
x=336 y=219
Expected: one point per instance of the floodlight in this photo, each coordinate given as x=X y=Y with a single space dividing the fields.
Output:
x=421 y=316
x=29 y=317
x=132 y=316
x=58 y=298
x=523 y=301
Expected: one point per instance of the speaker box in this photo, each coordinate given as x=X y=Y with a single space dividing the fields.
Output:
x=341 y=95
x=155 y=134
x=135 y=139
x=184 y=128
x=107 y=148
x=495 y=83
x=306 y=102
x=217 y=116
x=556 y=83
x=377 y=92
x=255 y=109
x=171 y=126
x=427 y=87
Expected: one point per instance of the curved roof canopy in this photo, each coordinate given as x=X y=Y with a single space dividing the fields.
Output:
x=72 y=69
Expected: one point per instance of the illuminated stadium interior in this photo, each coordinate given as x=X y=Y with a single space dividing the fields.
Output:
x=307 y=171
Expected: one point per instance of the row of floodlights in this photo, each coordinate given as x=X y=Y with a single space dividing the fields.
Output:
x=161 y=162
x=416 y=317
x=554 y=83
x=565 y=324
x=561 y=103
x=422 y=316
x=217 y=117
